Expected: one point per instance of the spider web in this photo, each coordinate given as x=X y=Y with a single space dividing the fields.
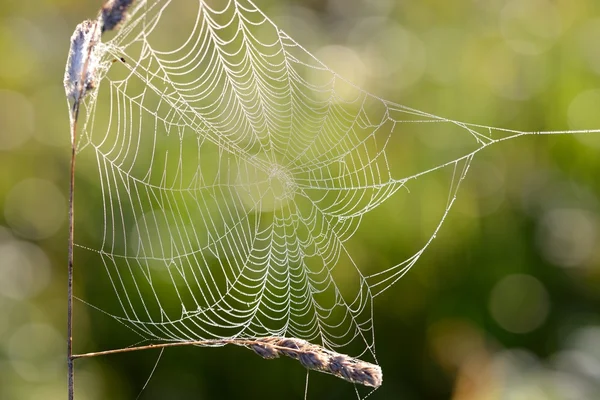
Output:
x=234 y=169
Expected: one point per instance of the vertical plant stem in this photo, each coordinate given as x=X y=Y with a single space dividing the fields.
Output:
x=85 y=38
x=70 y=359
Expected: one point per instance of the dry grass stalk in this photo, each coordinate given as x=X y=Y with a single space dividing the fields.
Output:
x=310 y=356
x=81 y=73
x=320 y=359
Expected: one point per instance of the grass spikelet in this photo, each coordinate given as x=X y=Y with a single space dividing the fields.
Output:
x=317 y=358
x=265 y=351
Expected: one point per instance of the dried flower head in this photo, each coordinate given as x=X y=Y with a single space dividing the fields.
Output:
x=82 y=64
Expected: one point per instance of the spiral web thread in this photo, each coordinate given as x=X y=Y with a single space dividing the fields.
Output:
x=234 y=168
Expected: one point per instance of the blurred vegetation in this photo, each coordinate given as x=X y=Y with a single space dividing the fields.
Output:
x=504 y=304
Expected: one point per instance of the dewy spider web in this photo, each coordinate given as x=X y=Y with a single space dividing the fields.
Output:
x=234 y=168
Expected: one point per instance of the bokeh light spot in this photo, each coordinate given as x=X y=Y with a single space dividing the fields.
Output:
x=388 y=52
x=567 y=237
x=16 y=117
x=24 y=270
x=36 y=352
x=589 y=37
x=519 y=303
x=530 y=26
x=345 y=62
x=35 y=208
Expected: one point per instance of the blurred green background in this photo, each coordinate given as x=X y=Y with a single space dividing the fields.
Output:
x=503 y=305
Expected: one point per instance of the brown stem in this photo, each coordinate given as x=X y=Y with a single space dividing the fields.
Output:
x=73 y=120
x=70 y=358
x=239 y=342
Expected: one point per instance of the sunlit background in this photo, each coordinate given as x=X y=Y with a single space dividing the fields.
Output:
x=505 y=304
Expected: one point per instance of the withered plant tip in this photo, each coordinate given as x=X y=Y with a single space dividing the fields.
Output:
x=83 y=61
x=114 y=13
